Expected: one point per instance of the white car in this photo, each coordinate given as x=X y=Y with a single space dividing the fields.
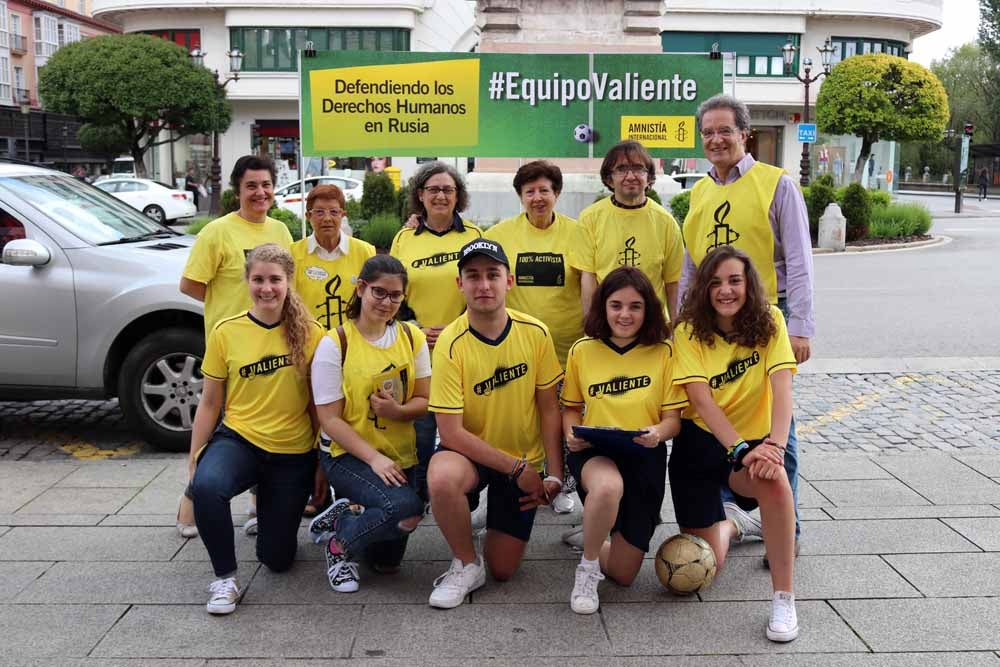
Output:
x=156 y=200
x=291 y=198
x=688 y=180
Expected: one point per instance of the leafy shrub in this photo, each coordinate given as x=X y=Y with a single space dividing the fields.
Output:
x=898 y=220
x=229 y=201
x=680 y=203
x=292 y=221
x=381 y=229
x=403 y=201
x=652 y=194
x=825 y=179
x=879 y=198
x=820 y=195
x=353 y=210
x=379 y=196
x=857 y=208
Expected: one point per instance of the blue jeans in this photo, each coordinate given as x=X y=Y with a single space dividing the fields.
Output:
x=426 y=428
x=791 y=455
x=229 y=466
x=385 y=506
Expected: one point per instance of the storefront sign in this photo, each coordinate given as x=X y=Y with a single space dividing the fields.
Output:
x=502 y=105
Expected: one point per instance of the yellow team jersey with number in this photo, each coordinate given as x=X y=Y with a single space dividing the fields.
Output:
x=628 y=387
x=647 y=238
x=492 y=383
x=327 y=285
x=546 y=286
x=395 y=439
x=431 y=261
x=736 y=214
x=267 y=399
x=218 y=260
x=738 y=377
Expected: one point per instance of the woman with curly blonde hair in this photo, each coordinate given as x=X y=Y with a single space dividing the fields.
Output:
x=735 y=361
x=258 y=363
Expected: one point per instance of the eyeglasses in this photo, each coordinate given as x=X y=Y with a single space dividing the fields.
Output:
x=435 y=190
x=383 y=294
x=322 y=212
x=722 y=133
x=625 y=169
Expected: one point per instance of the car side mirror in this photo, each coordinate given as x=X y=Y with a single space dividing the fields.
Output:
x=26 y=252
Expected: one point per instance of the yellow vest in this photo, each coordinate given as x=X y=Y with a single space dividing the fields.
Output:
x=363 y=362
x=326 y=286
x=736 y=214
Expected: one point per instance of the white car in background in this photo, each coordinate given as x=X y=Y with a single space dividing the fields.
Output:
x=159 y=202
x=291 y=198
x=687 y=180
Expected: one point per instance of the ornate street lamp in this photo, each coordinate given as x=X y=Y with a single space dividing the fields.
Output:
x=215 y=173
x=826 y=53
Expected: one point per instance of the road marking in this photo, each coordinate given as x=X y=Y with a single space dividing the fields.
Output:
x=857 y=405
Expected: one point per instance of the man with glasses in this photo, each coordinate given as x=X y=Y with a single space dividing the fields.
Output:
x=759 y=209
x=327 y=262
x=628 y=229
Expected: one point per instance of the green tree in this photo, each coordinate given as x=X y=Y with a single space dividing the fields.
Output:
x=127 y=89
x=971 y=78
x=881 y=97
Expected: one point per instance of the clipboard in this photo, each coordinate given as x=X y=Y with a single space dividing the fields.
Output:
x=611 y=440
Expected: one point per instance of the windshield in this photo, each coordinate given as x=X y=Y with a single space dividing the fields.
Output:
x=123 y=167
x=87 y=212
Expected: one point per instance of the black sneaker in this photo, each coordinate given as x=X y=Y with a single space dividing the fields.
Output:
x=322 y=527
x=341 y=573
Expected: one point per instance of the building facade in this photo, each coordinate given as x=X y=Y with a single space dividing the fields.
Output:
x=752 y=34
x=31 y=31
x=265 y=98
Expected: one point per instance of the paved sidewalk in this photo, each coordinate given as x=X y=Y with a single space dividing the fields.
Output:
x=894 y=410
x=900 y=565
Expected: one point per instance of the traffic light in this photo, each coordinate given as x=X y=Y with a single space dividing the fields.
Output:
x=968 y=129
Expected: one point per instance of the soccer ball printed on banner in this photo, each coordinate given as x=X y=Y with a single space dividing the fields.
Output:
x=583 y=133
x=685 y=564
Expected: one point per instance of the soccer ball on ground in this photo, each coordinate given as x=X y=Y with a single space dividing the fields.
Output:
x=583 y=133
x=685 y=564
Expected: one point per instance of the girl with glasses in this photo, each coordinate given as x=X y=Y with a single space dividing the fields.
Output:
x=371 y=380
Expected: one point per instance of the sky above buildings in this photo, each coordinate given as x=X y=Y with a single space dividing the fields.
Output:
x=960 y=25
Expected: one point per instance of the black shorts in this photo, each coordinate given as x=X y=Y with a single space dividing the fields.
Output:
x=698 y=470
x=644 y=483
x=503 y=501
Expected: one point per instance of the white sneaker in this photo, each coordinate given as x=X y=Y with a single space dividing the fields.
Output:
x=225 y=594
x=250 y=527
x=574 y=538
x=341 y=573
x=584 y=598
x=479 y=516
x=563 y=503
x=784 y=625
x=746 y=524
x=451 y=587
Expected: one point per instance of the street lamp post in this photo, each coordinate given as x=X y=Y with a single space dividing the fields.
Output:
x=825 y=52
x=215 y=173
x=24 y=98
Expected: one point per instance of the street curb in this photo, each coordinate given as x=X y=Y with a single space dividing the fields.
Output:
x=869 y=365
x=936 y=240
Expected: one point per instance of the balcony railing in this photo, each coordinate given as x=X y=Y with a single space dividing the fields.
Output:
x=19 y=43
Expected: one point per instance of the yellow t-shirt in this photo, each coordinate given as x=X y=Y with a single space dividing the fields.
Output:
x=218 y=259
x=397 y=440
x=546 y=286
x=326 y=285
x=492 y=383
x=737 y=376
x=267 y=399
x=431 y=261
x=647 y=238
x=625 y=387
x=736 y=214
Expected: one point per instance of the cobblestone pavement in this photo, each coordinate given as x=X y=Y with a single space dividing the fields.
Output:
x=864 y=412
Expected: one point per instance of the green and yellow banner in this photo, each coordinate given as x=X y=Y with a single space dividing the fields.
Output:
x=502 y=105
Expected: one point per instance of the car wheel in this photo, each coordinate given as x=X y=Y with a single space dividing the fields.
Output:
x=156 y=213
x=159 y=386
